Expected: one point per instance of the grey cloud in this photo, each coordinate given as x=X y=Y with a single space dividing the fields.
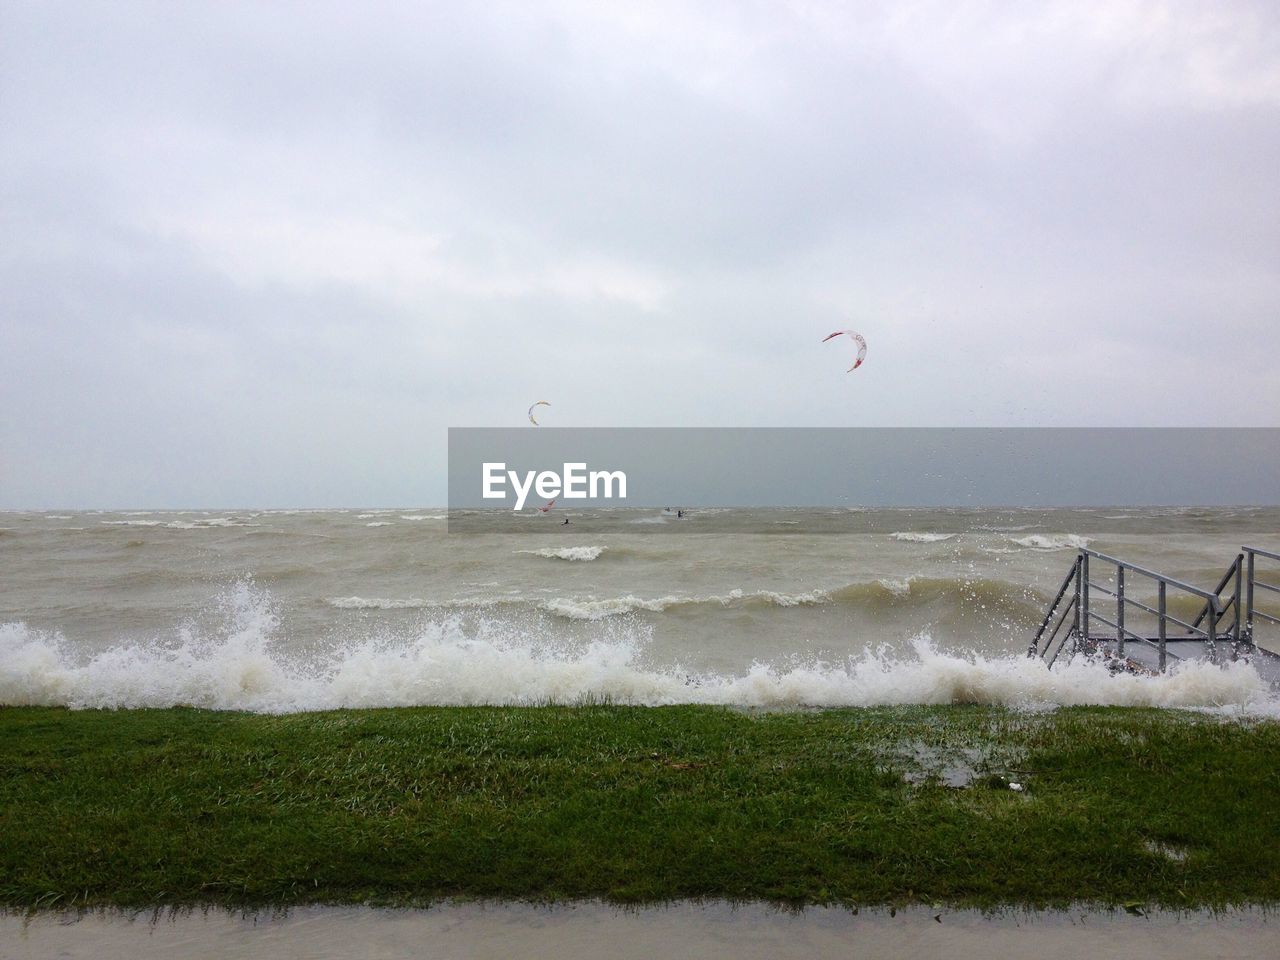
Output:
x=263 y=252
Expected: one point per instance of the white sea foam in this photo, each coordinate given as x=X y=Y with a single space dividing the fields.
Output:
x=899 y=588
x=593 y=609
x=209 y=523
x=380 y=523
x=911 y=537
x=598 y=609
x=201 y=524
x=424 y=516
x=602 y=608
x=241 y=667
x=565 y=553
x=1056 y=541
x=575 y=609
x=377 y=603
x=418 y=603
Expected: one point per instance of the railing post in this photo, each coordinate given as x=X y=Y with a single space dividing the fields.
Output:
x=1079 y=596
x=1034 y=648
x=1235 y=620
x=1084 y=600
x=1120 y=612
x=1163 y=627
x=1248 y=623
x=1212 y=637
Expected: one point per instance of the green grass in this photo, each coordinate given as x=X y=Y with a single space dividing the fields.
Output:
x=408 y=806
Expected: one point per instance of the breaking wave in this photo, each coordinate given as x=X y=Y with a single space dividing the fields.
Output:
x=200 y=524
x=599 y=609
x=241 y=666
x=566 y=553
x=1058 y=541
x=910 y=537
x=376 y=603
x=870 y=597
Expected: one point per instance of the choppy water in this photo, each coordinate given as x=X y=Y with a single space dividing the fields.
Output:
x=290 y=610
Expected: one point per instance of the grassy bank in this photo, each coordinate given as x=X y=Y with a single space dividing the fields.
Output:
x=890 y=805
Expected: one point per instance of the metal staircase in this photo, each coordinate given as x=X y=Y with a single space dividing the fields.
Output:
x=1139 y=636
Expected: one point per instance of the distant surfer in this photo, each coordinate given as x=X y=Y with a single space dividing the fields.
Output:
x=679 y=514
x=565 y=522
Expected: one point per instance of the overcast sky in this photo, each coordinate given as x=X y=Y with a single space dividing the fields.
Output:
x=264 y=254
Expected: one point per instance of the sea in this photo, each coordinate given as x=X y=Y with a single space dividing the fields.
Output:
x=297 y=610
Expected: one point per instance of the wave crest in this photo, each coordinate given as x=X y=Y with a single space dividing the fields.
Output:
x=566 y=553
x=377 y=603
x=870 y=596
x=1055 y=541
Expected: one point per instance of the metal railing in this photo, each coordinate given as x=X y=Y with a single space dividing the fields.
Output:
x=1050 y=653
x=1252 y=613
x=1222 y=616
x=1211 y=615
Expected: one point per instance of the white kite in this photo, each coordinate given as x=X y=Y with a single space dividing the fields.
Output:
x=536 y=403
x=862 y=346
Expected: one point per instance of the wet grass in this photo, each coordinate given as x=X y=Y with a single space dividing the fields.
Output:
x=407 y=806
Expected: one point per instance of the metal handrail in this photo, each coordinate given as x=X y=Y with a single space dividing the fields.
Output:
x=1211 y=600
x=1238 y=605
x=1234 y=570
x=1215 y=609
x=1251 y=612
x=1203 y=594
x=1035 y=642
x=1066 y=612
